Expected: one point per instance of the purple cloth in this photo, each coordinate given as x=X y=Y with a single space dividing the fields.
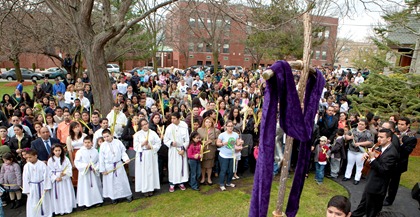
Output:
x=281 y=89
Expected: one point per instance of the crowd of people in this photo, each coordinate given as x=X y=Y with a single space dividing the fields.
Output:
x=180 y=128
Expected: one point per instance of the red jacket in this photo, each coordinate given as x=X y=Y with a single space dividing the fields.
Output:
x=193 y=149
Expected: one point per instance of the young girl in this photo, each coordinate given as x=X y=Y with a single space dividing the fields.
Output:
x=194 y=158
x=62 y=194
x=99 y=142
x=238 y=149
x=11 y=178
x=89 y=187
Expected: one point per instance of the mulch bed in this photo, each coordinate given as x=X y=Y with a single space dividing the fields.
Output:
x=416 y=151
x=15 y=83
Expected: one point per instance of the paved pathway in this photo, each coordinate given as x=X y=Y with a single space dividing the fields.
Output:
x=403 y=204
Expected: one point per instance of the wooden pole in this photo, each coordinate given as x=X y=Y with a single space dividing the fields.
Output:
x=307 y=26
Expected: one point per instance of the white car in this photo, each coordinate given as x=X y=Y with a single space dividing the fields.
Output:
x=113 y=68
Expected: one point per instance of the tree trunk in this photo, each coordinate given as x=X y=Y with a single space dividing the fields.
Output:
x=16 y=64
x=216 y=59
x=98 y=74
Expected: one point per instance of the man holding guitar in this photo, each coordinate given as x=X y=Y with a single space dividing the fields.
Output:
x=382 y=167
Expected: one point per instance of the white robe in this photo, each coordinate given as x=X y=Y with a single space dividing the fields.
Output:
x=36 y=181
x=96 y=136
x=89 y=186
x=115 y=184
x=177 y=164
x=62 y=193
x=120 y=122
x=147 y=171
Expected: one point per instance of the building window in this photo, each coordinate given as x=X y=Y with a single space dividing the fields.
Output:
x=208 y=57
x=190 y=46
x=200 y=47
x=208 y=48
x=191 y=56
x=327 y=33
x=226 y=47
x=317 y=54
x=324 y=55
x=200 y=63
x=192 y=22
x=246 y=59
x=225 y=58
x=227 y=24
x=319 y=34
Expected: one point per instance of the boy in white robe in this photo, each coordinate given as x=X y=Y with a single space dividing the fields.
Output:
x=36 y=184
x=177 y=140
x=103 y=122
x=89 y=186
x=120 y=120
x=146 y=143
x=115 y=180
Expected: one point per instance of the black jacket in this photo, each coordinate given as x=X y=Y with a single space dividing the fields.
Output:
x=328 y=130
x=39 y=146
x=408 y=145
x=381 y=170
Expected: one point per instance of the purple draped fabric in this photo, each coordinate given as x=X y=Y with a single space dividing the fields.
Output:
x=281 y=89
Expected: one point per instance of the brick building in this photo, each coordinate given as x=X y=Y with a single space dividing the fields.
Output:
x=186 y=32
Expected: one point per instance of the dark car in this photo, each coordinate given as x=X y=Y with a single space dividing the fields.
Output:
x=55 y=72
x=26 y=74
x=211 y=68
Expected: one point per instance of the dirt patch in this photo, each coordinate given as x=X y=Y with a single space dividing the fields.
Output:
x=15 y=83
x=142 y=206
x=416 y=151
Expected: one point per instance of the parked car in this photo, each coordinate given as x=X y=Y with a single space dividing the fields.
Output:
x=55 y=72
x=230 y=68
x=113 y=68
x=26 y=74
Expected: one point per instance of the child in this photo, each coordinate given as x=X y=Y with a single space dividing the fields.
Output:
x=89 y=186
x=62 y=193
x=194 y=157
x=11 y=178
x=36 y=184
x=337 y=153
x=238 y=149
x=339 y=206
x=115 y=178
x=1 y=207
x=321 y=155
x=99 y=143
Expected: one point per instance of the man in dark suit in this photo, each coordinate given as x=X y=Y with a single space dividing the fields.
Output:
x=328 y=124
x=43 y=144
x=207 y=85
x=408 y=144
x=381 y=169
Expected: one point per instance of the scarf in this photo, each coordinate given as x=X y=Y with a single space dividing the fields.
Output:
x=281 y=89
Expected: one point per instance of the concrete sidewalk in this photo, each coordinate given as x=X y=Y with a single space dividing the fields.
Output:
x=403 y=203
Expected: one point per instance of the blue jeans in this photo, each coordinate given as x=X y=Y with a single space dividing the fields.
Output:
x=319 y=172
x=226 y=168
x=195 y=171
x=276 y=168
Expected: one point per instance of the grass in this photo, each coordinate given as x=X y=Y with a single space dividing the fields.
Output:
x=210 y=201
x=412 y=176
x=11 y=89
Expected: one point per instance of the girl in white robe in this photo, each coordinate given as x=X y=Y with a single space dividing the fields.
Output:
x=36 y=184
x=62 y=192
x=146 y=143
x=177 y=139
x=115 y=180
x=89 y=186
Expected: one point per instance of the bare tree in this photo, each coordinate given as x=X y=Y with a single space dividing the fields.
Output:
x=98 y=26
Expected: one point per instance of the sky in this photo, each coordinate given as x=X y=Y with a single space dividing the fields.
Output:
x=359 y=25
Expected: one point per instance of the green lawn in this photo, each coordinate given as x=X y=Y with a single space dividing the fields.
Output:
x=210 y=201
x=11 y=89
x=412 y=176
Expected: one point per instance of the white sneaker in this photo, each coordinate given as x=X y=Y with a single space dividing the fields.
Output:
x=223 y=188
